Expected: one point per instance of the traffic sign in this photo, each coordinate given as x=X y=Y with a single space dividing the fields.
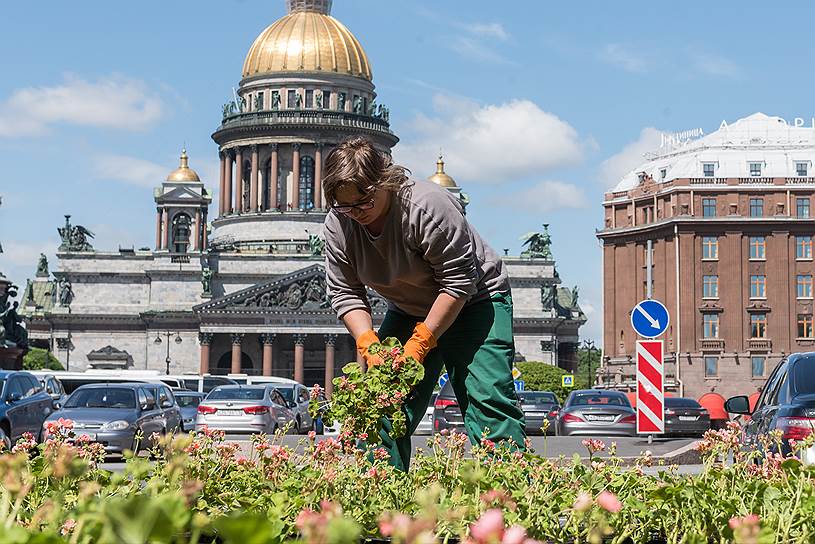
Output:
x=650 y=387
x=515 y=373
x=567 y=380
x=650 y=318
x=443 y=379
x=519 y=385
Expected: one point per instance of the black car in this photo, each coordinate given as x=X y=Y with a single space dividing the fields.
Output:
x=787 y=403
x=446 y=412
x=539 y=406
x=684 y=416
x=24 y=405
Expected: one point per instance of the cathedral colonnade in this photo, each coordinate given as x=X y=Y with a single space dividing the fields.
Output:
x=271 y=177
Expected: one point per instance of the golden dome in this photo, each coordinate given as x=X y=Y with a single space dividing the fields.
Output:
x=308 y=39
x=183 y=172
x=440 y=178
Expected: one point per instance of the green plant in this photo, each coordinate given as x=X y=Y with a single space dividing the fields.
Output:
x=543 y=377
x=41 y=359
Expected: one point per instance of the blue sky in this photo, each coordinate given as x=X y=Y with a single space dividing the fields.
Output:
x=539 y=106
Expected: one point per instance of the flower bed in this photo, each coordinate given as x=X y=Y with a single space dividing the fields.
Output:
x=199 y=488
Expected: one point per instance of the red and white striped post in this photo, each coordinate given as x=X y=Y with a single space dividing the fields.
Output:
x=650 y=387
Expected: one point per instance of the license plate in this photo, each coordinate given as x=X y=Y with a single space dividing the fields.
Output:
x=230 y=412
x=600 y=418
x=687 y=418
x=537 y=414
x=91 y=436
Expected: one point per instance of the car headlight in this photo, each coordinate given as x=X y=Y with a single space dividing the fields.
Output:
x=119 y=425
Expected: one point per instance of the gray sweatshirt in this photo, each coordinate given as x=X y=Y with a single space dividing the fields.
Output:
x=426 y=247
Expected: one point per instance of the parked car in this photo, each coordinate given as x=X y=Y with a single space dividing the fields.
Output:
x=188 y=402
x=202 y=384
x=538 y=407
x=170 y=413
x=114 y=415
x=597 y=412
x=786 y=403
x=685 y=416
x=52 y=386
x=426 y=424
x=24 y=405
x=446 y=412
x=244 y=409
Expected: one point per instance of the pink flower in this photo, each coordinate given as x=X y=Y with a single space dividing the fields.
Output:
x=594 y=445
x=489 y=527
x=608 y=501
x=67 y=526
x=514 y=535
x=582 y=503
x=750 y=519
x=312 y=435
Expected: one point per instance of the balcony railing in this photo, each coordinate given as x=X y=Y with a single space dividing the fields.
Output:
x=708 y=181
x=760 y=344
x=801 y=181
x=711 y=344
x=755 y=181
x=306 y=117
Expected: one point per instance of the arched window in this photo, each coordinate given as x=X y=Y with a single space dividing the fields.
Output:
x=306 y=183
x=181 y=232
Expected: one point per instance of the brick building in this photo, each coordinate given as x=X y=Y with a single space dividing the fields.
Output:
x=728 y=217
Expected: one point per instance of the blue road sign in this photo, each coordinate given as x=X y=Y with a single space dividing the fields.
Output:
x=650 y=318
x=519 y=385
x=443 y=379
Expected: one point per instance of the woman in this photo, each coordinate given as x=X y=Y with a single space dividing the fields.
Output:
x=448 y=292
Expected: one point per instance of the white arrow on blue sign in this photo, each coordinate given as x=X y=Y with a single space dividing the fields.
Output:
x=443 y=379
x=650 y=318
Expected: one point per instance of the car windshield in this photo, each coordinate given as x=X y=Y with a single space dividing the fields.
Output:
x=287 y=393
x=537 y=398
x=102 y=398
x=185 y=401
x=236 y=393
x=599 y=399
x=681 y=403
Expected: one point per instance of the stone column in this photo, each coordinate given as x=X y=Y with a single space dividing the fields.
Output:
x=295 y=169
x=239 y=180
x=330 y=341
x=165 y=221
x=267 y=340
x=196 y=231
x=158 y=228
x=204 y=241
x=253 y=181
x=228 y=184
x=318 y=177
x=299 y=355
x=222 y=185
x=237 y=338
x=205 y=338
x=273 y=185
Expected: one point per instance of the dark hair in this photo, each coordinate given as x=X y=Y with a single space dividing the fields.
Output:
x=355 y=161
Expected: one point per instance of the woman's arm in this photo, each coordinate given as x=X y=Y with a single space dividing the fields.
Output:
x=443 y=313
x=358 y=322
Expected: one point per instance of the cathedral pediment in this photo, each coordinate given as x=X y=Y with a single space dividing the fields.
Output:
x=179 y=193
x=301 y=291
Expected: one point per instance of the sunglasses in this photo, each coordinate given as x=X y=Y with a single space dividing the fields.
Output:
x=362 y=206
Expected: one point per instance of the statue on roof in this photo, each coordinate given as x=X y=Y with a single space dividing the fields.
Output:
x=66 y=292
x=548 y=294
x=538 y=244
x=372 y=109
x=275 y=100
x=42 y=266
x=357 y=104
x=318 y=99
x=206 y=281
x=341 y=102
x=316 y=244
x=12 y=333
x=298 y=100
x=74 y=237
x=258 y=102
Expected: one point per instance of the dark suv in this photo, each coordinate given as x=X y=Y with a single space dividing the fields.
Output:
x=787 y=403
x=446 y=412
x=23 y=406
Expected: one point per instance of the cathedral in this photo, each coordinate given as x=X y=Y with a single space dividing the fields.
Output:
x=238 y=286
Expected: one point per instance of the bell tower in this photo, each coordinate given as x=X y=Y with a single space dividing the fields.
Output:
x=181 y=211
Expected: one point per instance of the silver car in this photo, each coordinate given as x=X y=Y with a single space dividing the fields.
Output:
x=244 y=409
x=426 y=424
x=597 y=412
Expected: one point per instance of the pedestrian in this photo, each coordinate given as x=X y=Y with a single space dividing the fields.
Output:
x=448 y=294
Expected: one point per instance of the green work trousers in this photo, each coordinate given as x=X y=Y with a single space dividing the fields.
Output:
x=478 y=351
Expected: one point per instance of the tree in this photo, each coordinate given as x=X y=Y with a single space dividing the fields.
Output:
x=588 y=362
x=540 y=376
x=40 y=359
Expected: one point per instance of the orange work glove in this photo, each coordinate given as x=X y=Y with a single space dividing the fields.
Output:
x=364 y=341
x=420 y=344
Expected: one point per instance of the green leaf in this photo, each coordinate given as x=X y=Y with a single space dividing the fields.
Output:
x=249 y=528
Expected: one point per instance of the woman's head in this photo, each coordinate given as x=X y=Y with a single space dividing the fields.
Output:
x=357 y=178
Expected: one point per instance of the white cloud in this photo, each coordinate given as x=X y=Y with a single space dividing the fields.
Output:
x=618 y=55
x=714 y=65
x=27 y=253
x=615 y=167
x=129 y=170
x=486 y=30
x=490 y=143
x=111 y=102
x=475 y=49
x=547 y=196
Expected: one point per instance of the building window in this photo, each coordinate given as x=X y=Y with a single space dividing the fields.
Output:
x=758 y=325
x=805 y=326
x=710 y=247
x=802 y=168
x=758 y=286
x=804 y=286
x=710 y=286
x=802 y=207
x=757 y=363
x=756 y=207
x=709 y=207
x=181 y=233
x=710 y=325
x=755 y=169
x=326 y=99
x=758 y=247
x=291 y=99
x=663 y=173
x=803 y=247
x=711 y=366
x=708 y=168
x=309 y=98
x=306 y=201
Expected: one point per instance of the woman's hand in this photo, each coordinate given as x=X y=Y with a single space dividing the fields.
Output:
x=420 y=343
x=364 y=341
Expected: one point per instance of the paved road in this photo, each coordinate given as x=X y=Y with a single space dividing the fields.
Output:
x=550 y=446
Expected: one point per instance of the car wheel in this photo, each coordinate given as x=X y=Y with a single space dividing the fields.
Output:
x=5 y=439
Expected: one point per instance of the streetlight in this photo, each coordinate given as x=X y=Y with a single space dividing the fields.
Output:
x=157 y=341
x=588 y=345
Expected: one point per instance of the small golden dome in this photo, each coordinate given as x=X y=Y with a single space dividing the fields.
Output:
x=308 y=39
x=440 y=178
x=183 y=172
